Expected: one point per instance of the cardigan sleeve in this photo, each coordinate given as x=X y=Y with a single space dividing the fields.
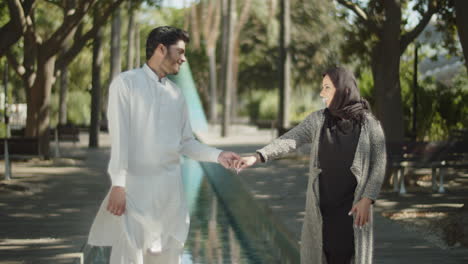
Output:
x=377 y=160
x=290 y=141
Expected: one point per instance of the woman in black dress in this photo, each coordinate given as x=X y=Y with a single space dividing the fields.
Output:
x=347 y=186
x=338 y=140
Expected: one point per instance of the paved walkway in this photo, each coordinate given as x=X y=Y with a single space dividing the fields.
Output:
x=47 y=209
x=281 y=186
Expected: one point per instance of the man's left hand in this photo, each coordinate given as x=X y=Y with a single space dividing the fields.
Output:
x=227 y=158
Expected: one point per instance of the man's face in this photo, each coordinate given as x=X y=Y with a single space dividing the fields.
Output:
x=174 y=57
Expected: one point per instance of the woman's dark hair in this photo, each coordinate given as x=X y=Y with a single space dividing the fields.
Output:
x=165 y=35
x=347 y=102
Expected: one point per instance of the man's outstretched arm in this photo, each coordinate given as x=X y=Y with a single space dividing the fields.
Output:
x=194 y=149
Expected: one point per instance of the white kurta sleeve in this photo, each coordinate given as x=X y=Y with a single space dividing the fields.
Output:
x=191 y=147
x=118 y=115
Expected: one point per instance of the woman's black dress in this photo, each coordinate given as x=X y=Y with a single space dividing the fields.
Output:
x=337 y=184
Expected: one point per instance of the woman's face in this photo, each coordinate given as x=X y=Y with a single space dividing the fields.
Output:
x=328 y=90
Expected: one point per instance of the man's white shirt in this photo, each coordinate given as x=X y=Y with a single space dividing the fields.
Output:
x=149 y=129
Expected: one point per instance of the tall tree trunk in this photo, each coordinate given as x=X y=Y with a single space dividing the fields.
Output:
x=229 y=18
x=239 y=24
x=461 y=19
x=39 y=103
x=235 y=73
x=186 y=16
x=96 y=90
x=195 y=27
x=213 y=88
x=415 y=93
x=115 y=56
x=63 y=69
x=38 y=67
x=210 y=30
x=63 y=95
x=29 y=62
x=385 y=57
x=386 y=74
x=131 y=38
x=285 y=66
x=137 y=45
x=224 y=44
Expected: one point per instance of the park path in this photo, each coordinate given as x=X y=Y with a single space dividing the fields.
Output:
x=47 y=209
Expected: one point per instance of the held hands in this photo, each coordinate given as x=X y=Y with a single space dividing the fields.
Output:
x=246 y=162
x=231 y=160
x=361 y=209
x=228 y=159
x=116 y=205
x=117 y=201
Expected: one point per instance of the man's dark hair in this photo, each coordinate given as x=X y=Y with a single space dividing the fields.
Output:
x=165 y=35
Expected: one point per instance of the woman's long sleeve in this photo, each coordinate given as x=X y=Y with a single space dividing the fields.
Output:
x=377 y=161
x=291 y=140
x=118 y=115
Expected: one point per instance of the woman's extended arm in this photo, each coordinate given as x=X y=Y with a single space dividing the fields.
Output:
x=289 y=142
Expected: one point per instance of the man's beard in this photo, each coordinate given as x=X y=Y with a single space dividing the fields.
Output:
x=173 y=66
x=176 y=71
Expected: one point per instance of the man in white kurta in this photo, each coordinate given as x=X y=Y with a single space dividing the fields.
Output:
x=145 y=217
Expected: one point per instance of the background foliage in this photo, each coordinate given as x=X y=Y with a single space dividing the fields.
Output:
x=323 y=34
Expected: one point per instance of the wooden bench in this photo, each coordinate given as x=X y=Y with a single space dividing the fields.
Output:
x=454 y=155
x=435 y=155
x=66 y=133
x=20 y=147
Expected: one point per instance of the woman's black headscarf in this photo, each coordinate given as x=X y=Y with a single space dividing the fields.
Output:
x=347 y=103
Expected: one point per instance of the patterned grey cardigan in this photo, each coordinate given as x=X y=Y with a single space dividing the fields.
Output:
x=368 y=167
